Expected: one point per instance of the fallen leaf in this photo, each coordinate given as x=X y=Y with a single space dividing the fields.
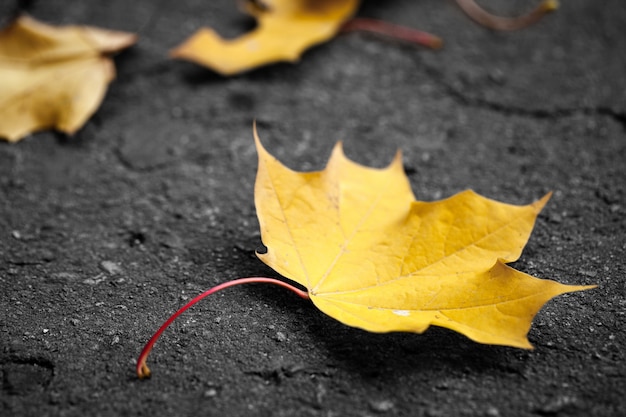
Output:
x=373 y=257
x=53 y=77
x=286 y=28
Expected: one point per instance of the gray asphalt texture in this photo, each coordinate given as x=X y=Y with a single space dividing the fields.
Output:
x=104 y=234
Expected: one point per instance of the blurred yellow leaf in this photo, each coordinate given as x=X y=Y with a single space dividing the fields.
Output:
x=53 y=77
x=286 y=28
x=373 y=257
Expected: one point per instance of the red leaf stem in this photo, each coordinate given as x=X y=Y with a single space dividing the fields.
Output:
x=491 y=21
x=391 y=30
x=142 y=369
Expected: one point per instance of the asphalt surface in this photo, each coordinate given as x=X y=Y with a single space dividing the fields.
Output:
x=103 y=235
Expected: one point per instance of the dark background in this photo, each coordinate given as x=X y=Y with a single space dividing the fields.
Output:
x=103 y=235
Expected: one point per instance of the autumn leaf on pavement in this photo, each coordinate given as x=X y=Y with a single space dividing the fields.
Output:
x=286 y=28
x=373 y=257
x=53 y=77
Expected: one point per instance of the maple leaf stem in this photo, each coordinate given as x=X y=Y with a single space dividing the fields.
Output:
x=142 y=369
x=391 y=30
x=491 y=21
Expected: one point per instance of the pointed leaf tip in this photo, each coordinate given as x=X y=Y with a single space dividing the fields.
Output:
x=261 y=151
x=544 y=200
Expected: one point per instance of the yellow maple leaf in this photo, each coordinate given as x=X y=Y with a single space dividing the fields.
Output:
x=373 y=257
x=286 y=28
x=53 y=77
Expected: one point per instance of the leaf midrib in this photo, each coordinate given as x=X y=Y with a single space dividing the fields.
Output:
x=414 y=273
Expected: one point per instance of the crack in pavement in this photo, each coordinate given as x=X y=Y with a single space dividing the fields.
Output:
x=461 y=98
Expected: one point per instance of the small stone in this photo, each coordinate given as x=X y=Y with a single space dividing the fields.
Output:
x=443 y=385
x=560 y=404
x=210 y=393
x=46 y=255
x=63 y=277
x=110 y=267
x=176 y=112
x=493 y=412
x=94 y=280
x=381 y=406
x=281 y=337
x=497 y=76
x=434 y=412
x=171 y=240
x=555 y=218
